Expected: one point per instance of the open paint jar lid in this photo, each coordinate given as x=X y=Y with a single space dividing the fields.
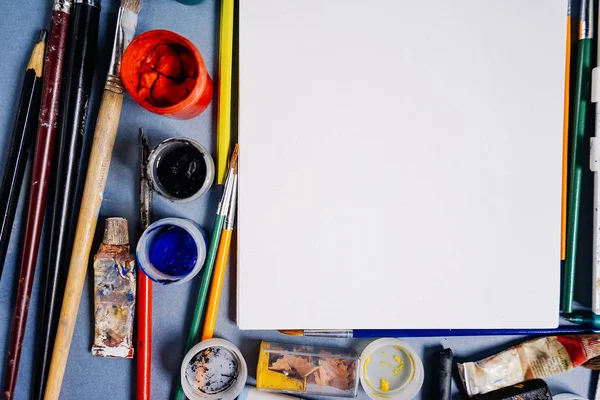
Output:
x=171 y=250
x=391 y=369
x=181 y=170
x=213 y=369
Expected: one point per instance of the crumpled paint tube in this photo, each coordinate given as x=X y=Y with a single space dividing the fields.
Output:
x=537 y=358
x=114 y=293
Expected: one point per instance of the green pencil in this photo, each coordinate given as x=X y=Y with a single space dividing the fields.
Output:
x=211 y=256
x=577 y=157
x=591 y=321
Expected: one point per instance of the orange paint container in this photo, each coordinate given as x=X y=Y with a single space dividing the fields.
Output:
x=165 y=73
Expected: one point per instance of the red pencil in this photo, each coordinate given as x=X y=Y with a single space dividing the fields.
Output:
x=42 y=165
x=144 y=312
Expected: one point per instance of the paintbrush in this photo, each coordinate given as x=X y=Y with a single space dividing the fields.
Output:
x=24 y=129
x=101 y=153
x=209 y=264
x=42 y=164
x=218 y=277
x=77 y=89
x=144 y=311
x=23 y=137
x=383 y=333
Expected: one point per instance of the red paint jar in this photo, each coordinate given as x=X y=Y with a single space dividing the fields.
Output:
x=165 y=73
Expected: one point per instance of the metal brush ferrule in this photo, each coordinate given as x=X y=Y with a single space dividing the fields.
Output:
x=335 y=333
x=126 y=26
x=232 y=204
x=63 y=6
x=587 y=20
x=226 y=197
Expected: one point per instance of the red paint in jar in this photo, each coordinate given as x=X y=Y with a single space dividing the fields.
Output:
x=165 y=73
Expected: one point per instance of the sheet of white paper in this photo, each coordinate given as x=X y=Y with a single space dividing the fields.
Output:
x=400 y=163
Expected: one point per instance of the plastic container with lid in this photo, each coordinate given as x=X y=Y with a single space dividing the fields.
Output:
x=307 y=370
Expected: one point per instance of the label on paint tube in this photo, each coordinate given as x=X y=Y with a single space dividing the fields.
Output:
x=537 y=358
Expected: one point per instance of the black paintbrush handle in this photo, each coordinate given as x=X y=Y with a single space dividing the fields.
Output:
x=77 y=86
x=20 y=147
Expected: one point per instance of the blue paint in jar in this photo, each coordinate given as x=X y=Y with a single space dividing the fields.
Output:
x=173 y=251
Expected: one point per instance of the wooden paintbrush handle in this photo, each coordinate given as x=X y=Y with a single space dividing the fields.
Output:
x=95 y=181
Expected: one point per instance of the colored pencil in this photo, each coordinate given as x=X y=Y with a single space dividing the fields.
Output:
x=580 y=117
x=23 y=137
x=209 y=264
x=218 y=277
x=225 y=76
x=97 y=173
x=144 y=295
x=383 y=333
x=571 y=23
x=42 y=165
x=29 y=102
x=595 y=167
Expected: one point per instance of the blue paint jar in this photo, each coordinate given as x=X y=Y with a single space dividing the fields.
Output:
x=172 y=250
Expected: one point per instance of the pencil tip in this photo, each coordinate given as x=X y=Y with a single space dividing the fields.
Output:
x=42 y=35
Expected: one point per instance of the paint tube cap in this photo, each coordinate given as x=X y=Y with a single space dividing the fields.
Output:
x=214 y=369
x=391 y=369
x=116 y=232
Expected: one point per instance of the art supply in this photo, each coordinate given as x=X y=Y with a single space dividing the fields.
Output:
x=365 y=114
x=591 y=321
x=571 y=24
x=114 y=293
x=307 y=370
x=218 y=277
x=221 y=217
x=581 y=109
x=165 y=73
x=23 y=137
x=225 y=77
x=595 y=167
x=383 y=333
x=42 y=170
x=537 y=358
x=97 y=172
x=213 y=369
x=181 y=170
x=190 y=2
x=535 y=389
x=251 y=393
x=171 y=250
x=392 y=369
x=445 y=374
x=144 y=311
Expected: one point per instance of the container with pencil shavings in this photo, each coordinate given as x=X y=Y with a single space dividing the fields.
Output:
x=307 y=370
x=114 y=293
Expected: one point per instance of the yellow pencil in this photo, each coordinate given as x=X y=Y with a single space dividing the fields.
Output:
x=565 y=170
x=216 y=284
x=225 y=72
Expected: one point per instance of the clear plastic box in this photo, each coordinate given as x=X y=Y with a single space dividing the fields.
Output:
x=298 y=369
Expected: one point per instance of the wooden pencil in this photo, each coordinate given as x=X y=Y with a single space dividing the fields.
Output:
x=225 y=77
x=577 y=160
x=22 y=141
x=27 y=113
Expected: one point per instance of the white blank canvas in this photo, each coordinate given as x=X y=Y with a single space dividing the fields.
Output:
x=400 y=163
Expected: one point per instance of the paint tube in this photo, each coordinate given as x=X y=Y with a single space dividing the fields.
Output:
x=537 y=358
x=114 y=293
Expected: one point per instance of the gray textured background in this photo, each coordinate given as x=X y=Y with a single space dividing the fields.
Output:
x=89 y=377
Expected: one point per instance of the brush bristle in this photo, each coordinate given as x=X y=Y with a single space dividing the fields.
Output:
x=233 y=162
x=593 y=363
x=132 y=5
x=292 y=332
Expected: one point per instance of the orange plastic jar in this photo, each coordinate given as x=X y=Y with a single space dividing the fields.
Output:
x=165 y=73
